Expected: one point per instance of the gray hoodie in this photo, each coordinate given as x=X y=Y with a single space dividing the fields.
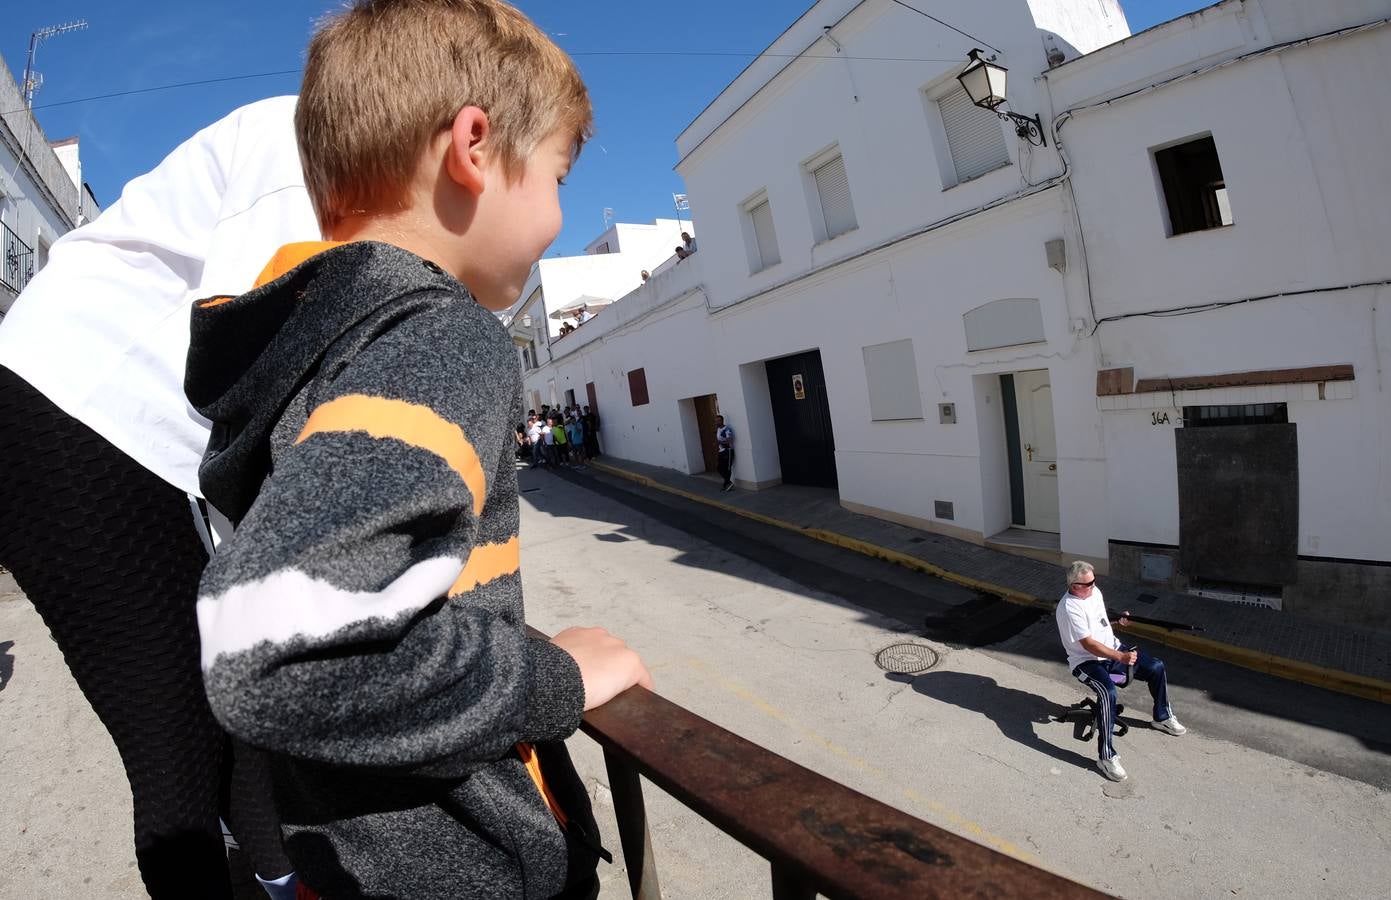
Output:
x=365 y=622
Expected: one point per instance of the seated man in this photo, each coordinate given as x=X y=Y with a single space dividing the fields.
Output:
x=1093 y=653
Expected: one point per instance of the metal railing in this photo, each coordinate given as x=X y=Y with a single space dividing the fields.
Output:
x=819 y=837
x=16 y=260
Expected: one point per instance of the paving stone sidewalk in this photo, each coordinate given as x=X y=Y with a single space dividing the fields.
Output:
x=1249 y=630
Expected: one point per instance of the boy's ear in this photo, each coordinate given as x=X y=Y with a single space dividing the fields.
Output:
x=468 y=147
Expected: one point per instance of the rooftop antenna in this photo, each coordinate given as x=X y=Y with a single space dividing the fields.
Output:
x=33 y=80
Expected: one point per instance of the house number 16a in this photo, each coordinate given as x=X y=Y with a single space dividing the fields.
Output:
x=1159 y=418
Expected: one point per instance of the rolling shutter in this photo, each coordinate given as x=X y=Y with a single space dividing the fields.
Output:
x=834 y=190
x=762 y=217
x=974 y=136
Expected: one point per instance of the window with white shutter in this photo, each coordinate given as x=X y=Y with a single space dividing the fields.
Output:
x=974 y=136
x=833 y=189
x=765 y=239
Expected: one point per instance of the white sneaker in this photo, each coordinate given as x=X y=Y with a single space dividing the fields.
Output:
x=1172 y=726
x=1111 y=768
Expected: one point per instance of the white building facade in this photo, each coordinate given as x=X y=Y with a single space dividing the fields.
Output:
x=899 y=298
x=612 y=265
x=42 y=195
x=1229 y=180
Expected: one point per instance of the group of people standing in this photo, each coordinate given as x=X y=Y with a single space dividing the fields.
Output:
x=564 y=437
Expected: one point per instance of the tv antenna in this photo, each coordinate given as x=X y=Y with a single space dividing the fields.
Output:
x=33 y=80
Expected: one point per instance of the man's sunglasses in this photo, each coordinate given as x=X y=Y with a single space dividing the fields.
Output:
x=1084 y=583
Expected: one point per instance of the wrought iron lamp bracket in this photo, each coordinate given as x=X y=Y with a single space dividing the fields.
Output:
x=1029 y=128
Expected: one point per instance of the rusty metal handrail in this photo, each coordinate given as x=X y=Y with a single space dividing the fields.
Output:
x=820 y=836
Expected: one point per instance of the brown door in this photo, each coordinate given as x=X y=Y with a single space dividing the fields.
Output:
x=707 y=408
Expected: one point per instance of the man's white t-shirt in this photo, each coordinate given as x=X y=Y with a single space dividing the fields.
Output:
x=103 y=329
x=724 y=436
x=533 y=433
x=547 y=436
x=1079 y=618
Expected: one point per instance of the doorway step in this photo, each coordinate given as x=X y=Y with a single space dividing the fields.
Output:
x=1041 y=545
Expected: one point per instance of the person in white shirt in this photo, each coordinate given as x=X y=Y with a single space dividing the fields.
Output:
x=548 y=451
x=533 y=437
x=724 y=440
x=100 y=451
x=1094 y=655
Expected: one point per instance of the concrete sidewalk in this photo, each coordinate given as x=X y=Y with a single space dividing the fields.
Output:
x=1310 y=651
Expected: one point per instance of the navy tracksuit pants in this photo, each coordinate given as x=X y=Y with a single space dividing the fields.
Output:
x=1097 y=676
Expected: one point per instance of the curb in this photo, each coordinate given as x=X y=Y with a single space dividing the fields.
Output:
x=1363 y=686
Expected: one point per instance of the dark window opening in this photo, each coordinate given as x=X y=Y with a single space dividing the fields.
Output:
x=637 y=386
x=1194 y=189
x=569 y=397
x=1250 y=414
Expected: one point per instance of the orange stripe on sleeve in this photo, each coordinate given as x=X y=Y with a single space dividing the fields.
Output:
x=411 y=423
x=486 y=563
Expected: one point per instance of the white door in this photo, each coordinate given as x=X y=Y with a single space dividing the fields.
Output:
x=1038 y=450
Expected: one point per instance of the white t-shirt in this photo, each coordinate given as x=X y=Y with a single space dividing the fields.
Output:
x=103 y=329
x=546 y=435
x=1079 y=618
x=534 y=433
x=724 y=436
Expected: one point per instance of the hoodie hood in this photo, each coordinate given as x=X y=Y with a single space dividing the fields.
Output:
x=250 y=356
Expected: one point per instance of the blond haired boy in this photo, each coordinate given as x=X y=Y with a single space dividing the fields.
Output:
x=365 y=622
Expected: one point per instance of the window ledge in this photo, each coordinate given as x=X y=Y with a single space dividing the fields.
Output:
x=1009 y=164
x=830 y=240
x=1200 y=231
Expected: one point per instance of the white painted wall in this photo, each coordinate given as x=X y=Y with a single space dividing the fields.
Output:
x=38 y=196
x=1300 y=136
x=879 y=116
x=1080 y=27
x=649 y=244
x=68 y=155
x=567 y=278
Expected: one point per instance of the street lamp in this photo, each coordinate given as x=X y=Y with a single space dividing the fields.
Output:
x=984 y=82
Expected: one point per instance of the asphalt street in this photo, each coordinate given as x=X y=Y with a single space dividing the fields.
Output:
x=1277 y=791
x=1333 y=732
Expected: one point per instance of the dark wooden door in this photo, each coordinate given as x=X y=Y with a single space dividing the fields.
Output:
x=1238 y=503
x=706 y=408
x=802 y=417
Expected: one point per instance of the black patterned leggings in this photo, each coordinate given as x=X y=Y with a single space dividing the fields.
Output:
x=107 y=554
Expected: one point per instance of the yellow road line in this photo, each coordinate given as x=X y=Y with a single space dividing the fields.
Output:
x=1362 y=686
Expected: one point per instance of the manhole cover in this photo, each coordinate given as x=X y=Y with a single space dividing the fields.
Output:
x=906 y=659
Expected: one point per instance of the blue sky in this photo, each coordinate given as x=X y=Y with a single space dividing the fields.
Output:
x=641 y=101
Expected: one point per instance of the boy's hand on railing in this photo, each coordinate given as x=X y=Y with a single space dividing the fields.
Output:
x=607 y=665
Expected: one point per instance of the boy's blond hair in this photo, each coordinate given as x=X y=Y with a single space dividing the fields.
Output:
x=383 y=77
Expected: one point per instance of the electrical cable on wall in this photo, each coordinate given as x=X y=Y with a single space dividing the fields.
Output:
x=751 y=54
x=1196 y=308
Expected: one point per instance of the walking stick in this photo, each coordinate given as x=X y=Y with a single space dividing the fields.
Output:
x=1161 y=623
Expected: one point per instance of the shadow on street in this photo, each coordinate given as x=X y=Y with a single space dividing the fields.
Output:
x=707 y=538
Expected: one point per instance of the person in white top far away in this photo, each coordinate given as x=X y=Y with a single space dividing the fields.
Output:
x=1094 y=655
